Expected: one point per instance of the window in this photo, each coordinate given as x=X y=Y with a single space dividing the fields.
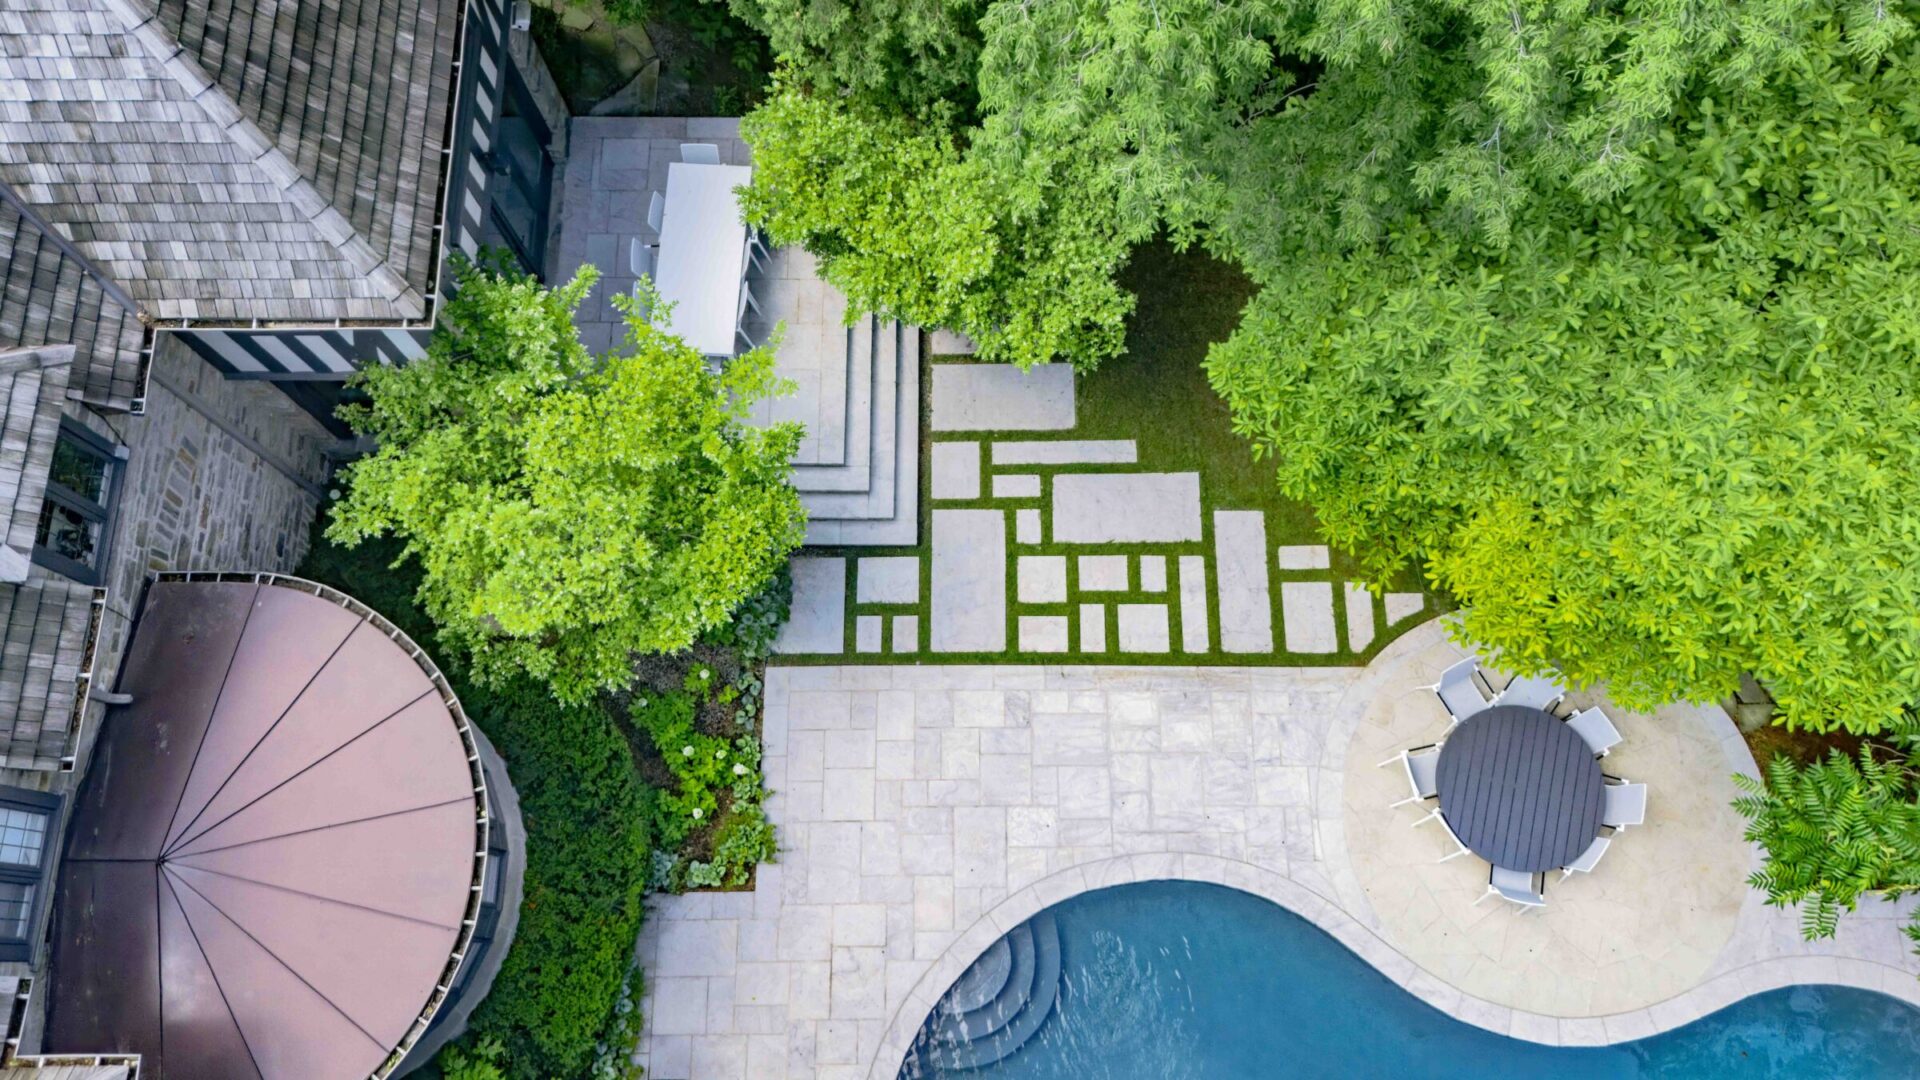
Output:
x=74 y=519
x=25 y=818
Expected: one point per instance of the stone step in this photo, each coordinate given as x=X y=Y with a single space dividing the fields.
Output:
x=1036 y=1004
x=958 y=1028
x=873 y=374
x=814 y=355
x=874 y=498
x=903 y=528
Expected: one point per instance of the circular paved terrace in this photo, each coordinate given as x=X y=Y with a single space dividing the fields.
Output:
x=925 y=810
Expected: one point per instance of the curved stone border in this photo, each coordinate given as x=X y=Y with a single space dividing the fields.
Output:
x=1716 y=993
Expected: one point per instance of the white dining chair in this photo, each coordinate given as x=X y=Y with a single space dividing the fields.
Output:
x=1517 y=886
x=700 y=153
x=1626 y=804
x=1459 y=846
x=640 y=258
x=1423 y=773
x=1460 y=692
x=656 y=212
x=751 y=254
x=1541 y=692
x=1593 y=726
x=1588 y=859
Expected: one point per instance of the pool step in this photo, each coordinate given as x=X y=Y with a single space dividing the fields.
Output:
x=996 y=1005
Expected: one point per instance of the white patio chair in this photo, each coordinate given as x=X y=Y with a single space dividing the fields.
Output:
x=1588 y=859
x=700 y=153
x=1459 y=692
x=746 y=301
x=641 y=305
x=656 y=211
x=1459 y=848
x=1532 y=691
x=1598 y=731
x=1517 y=886
x=1626 y=804
x=640 y=258
x=751 y=254
x=1423 y=773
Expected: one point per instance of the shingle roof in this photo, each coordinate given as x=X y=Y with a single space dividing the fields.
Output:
x=211 y=207
x=48 y=297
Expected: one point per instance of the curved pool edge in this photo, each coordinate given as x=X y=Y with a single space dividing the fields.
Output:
x=1713 y=994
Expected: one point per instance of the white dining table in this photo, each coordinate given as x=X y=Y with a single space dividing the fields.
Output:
x=702 y=263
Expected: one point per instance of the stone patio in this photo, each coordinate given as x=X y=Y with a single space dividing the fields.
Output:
x=925 y=810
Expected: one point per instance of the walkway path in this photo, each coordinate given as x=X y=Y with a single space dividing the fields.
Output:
x=924 y=810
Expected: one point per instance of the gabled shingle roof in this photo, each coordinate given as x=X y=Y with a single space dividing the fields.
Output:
x=50 y=298
x=295 y=183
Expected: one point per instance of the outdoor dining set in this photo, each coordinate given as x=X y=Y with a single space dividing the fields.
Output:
x=701 y=253
x=1516 y=780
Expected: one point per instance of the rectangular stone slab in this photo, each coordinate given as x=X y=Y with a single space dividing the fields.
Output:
x=817 y=622
x=1306 y=611
x=968 y=581
x=1001 y=397
x=1067 y=452
x=1126 y=508
x=1240 y=562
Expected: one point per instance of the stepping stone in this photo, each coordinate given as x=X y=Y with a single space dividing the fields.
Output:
x=817 y=622
x=968 y=579
x=1103 y=573
x=1093 y=628
x=866 y=632
x=1359 y=617
x=1016 y=486
x=1067 y=452
x=906 y=633
x=1153 y=573
x=1001 y=397
x=1400 y=605
x=894 y=579
x=1143 y=628
x=1305 y=557
x=952 y=343
x=1026 y=526
x=1126 y=508
x=1240 y=562
x=1306 y=613
x=1193 y=603
x=1043 y=633
x=956 y=470
x=1043 y=579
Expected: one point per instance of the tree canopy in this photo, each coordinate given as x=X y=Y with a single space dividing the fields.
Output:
x=567 y=510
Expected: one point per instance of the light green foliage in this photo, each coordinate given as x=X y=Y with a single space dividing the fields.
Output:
x=902 y=224
x=1660 y=439
x=568 y=510
x=718 y=785
x=1835 y=831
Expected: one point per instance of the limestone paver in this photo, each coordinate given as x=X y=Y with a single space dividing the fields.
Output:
x=1403 y=605
x=1103 y=573
x=1306 y=616
x=906 y=633
x=1304 y=557
x=891 y=579
x=956 y=470
x=1109 y=508
x=1359 y=616
x=1153 y=573
x=964 y=799
x=1042 y=579
x=1093 y=628
x=1143 y=628
x=1026 y=526
x=1194 y=636
x=817 y=623
x=1002 y=397
x=867 y=632
x=969 y=581
x=1016 y=486
x=1043 y=633
x=1067 y=452
x=1240 y=563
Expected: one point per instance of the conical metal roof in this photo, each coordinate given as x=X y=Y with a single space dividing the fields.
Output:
x=276 y=857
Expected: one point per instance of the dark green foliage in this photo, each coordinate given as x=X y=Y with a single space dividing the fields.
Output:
x=1836 y=830
x=588 y=855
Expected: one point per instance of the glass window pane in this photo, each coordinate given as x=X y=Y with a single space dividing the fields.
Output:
x=16 y=906
x=80 y=468
x=23 y=837
x=67 y=534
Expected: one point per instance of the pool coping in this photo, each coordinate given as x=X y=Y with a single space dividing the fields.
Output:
x=1335 y=915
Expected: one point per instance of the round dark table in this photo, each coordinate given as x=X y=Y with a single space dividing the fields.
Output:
x=1521 y=788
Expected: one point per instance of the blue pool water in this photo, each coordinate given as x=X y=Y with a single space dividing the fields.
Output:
x=1186 y=981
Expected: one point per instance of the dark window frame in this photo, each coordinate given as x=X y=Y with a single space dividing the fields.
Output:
x=500 y=163
x=22 y=949
x=102 y=512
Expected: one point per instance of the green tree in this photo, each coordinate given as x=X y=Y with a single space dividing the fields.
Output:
x=909 y=56
x=567 y=510
x=1835 y=831
x=1658 y=439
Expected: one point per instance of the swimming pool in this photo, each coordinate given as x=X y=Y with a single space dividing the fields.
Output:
x=1176 y=980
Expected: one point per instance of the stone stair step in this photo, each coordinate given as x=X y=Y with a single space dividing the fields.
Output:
x=903 y=528
x=874 y=499
x=867 y=360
